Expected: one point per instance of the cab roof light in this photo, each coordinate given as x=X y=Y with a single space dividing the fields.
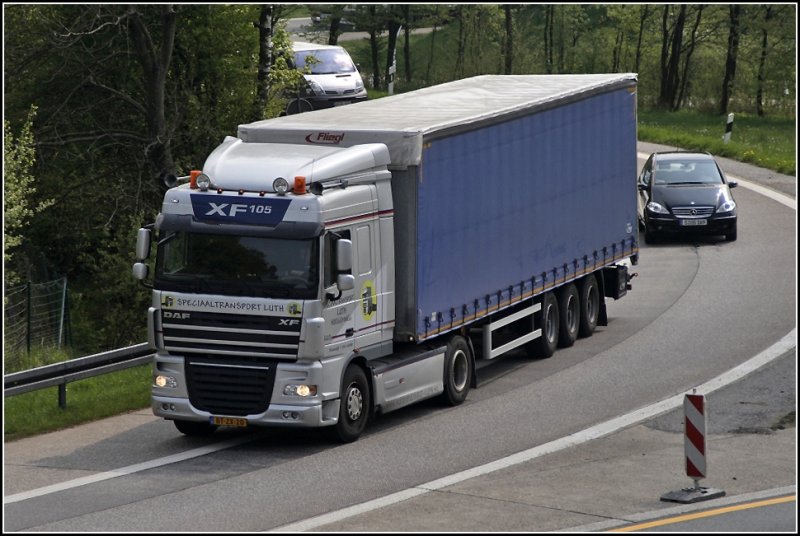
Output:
x=193 y=178
x=299 y=185
x=280 y=186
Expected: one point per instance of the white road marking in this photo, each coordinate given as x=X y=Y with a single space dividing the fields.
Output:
x=635 y=417
x=106 y=475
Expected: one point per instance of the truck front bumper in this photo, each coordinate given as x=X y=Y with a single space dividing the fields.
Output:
x=314 y=416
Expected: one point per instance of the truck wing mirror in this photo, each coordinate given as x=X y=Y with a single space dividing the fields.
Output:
x=344 y=255
x=345 y=282
x=140 y=271
x=142 y=244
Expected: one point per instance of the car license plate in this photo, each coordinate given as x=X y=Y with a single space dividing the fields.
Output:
x=341 y=103
x=229 y=421
x=687 y=223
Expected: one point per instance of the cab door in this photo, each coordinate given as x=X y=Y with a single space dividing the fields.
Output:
x=365 y=264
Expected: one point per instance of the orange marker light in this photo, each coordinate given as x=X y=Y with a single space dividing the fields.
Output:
x=299 y=185
x=193 y=178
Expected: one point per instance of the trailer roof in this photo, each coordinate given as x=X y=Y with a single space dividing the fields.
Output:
x=402 y=121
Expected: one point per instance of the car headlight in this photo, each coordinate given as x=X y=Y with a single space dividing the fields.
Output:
x=652 y=206
x=727 y=206
x=316 y=89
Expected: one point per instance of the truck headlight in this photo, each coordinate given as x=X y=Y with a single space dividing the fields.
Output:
x=300 y=390
x=165 y=381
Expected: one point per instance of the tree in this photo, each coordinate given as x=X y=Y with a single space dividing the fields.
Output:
x=155 y=55
x=671 y=42
x=19 y=207
x=730 y=58
x=508 y=41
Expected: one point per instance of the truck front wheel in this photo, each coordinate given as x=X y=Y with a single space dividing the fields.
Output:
x=354 y=406
x=457 y=371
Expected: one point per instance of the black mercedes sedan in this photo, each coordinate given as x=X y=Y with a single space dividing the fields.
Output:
x=685 y=192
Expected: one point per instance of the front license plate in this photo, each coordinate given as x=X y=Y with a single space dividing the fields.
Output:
x=688 y=223
x=229 y=421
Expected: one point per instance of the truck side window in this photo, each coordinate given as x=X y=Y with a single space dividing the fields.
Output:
x=330 y=259
x=364 y=248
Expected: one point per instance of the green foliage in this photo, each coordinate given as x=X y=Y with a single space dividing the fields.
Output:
x=90 y=148
x=19 y=202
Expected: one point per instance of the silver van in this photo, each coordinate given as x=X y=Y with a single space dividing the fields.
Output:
x=334 y=79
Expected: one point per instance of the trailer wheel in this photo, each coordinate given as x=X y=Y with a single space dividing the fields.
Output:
x=590 y=306
x=545 y=345
x=457 y=371
x=195 y=428
x=569 y=315
x=354 y=406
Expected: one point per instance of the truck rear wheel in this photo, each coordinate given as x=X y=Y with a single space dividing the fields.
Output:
x=195 y=428
x=545 y=345
x=569 y=315
x=354 y=406
x=590 y=305
x=457 y=371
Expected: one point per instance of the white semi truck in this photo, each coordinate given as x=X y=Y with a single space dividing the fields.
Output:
x=326 y=267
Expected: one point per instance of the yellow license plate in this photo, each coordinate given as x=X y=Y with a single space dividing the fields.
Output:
x=229 y=421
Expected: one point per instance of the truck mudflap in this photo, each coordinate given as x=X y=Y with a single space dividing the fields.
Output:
x=407 y=376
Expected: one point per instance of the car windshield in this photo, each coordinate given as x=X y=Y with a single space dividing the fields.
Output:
x=687 y=172
x=324 y=61
x=237 y=265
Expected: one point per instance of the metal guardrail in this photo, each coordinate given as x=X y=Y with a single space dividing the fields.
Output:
x=75 y=369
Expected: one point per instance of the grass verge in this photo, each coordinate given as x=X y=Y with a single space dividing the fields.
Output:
x=768 y=142
x=38 y=412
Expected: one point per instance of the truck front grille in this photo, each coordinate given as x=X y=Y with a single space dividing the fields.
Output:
x=230 y=359
x=230 y=386
x=233 y=335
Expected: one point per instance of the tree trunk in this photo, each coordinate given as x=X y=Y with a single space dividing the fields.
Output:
x=508 y=48
x=644 y=12
x=264 y=26
x=548 y=39
x=406 y=42
x=762 y=63
x=670 y=58
x=333 y=32
x=730 y=58
x=690 y=50
x=155 y=62
x=391 y=50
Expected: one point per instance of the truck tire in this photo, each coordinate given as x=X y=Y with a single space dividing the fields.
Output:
x=545 y=345
x=569 y=315
x=589 y=305
x=355 y=405
x=457 y=371
x=195 y=428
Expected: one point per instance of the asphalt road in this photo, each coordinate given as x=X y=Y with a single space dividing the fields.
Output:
x=698 y=310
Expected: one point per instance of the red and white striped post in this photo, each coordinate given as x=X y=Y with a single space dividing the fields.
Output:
x=694 y=445
x=694 y=449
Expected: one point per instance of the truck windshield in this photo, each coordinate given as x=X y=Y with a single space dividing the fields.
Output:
x=237 y=265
